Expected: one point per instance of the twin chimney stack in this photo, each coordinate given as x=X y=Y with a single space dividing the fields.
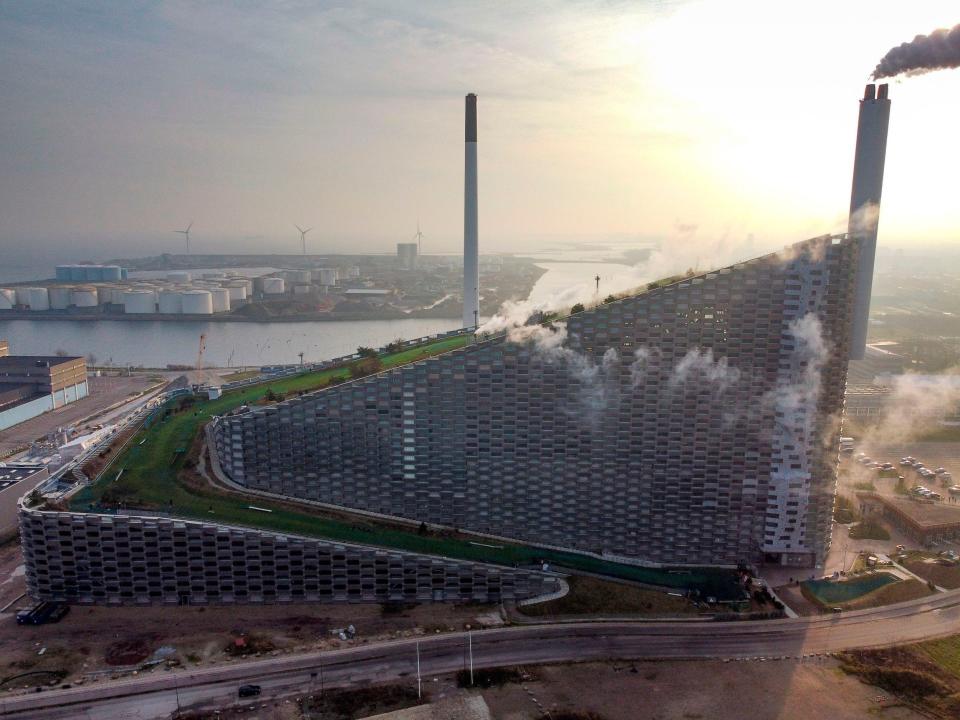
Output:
x=471 y=257
x=865 y=203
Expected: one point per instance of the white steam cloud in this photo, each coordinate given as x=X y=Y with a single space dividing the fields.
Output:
x=916 y=405
x=795 y=397
x=864 y=220
x=599 y=385
x=699 y=368
x=639 y=366
x=681 y=256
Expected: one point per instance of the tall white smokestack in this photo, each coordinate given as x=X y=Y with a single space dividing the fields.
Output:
x=471 y=259
x=865 y=203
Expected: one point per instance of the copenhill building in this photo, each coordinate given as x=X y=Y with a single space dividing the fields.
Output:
x=685 y=424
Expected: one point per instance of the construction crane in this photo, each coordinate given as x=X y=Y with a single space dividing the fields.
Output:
x=203 y=346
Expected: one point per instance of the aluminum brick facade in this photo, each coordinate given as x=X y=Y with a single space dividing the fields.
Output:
x=142 y=560
x=687 y=424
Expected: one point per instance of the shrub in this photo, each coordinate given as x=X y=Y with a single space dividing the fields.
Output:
x=578 y=308
x=365 y=366
x=869 y=530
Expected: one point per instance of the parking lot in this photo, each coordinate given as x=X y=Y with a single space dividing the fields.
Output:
x=104 y=392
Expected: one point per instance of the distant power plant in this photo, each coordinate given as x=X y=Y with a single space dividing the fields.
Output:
x=865 y=203
x=471 y=260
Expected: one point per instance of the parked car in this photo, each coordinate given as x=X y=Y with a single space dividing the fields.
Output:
x=247 y=691
x=41 y=613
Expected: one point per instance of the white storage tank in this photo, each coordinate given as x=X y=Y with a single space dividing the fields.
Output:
x=326 y=276
x=170 y=302
x=38 y=299
x=220 y=299
x=84 y=296
x=178 y=276
x=116 y=294
x=273 y=286
x=8 y=298
x=238 y=293
x=302 y=276
x=139 y=302
x=213 y=276
x=302 y=289
x=23 y=295
x=196 y=302
x=60 y=297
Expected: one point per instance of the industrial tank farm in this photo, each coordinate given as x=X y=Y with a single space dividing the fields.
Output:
x=107 y=291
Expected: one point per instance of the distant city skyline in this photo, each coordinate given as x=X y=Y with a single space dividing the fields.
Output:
x=598 y=120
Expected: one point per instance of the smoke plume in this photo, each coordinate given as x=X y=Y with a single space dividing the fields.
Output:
x=599 y=385
x=864 y=220
x=916 y=405
x=699 y=367
x=797 y=393
x=940 y=50
x=638 y=368
x=659 y=265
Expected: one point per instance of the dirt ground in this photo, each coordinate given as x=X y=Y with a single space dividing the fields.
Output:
x=12 y=583
x=104 y=392
x=691 y=690
x=93 y=642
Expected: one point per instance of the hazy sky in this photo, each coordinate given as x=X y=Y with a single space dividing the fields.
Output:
x=121 y=121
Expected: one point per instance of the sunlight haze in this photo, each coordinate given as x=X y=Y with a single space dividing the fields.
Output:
x=597 y=120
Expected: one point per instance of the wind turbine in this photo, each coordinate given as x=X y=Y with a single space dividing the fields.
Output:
x=419 y=238
x=303 y=237
x=186 y=235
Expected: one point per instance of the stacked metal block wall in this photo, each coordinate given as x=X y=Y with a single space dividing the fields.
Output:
x=643 y=428
x=132 y=560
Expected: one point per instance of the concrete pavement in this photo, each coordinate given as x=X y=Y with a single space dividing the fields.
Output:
x=157 y=695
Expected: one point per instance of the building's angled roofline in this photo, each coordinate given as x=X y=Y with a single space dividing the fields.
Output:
x=501 y=337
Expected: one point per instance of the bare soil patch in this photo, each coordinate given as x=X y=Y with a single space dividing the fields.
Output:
x=90 y=640
x=130 y=651
x=695 y=690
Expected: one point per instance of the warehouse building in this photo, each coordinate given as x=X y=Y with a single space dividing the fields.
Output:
x=685 y=424
x=31 y=385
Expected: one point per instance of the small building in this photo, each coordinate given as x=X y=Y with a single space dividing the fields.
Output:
x=923 y=521
x=407 y=255
x=375 y=295
x=31 y=385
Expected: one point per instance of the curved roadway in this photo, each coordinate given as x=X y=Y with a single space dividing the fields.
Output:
x=157 y=694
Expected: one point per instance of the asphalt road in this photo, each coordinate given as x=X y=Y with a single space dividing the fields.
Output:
x=156 y=695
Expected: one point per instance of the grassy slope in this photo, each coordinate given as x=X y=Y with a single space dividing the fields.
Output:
x=591 y=596
x=152 y=480
x=944 y=652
